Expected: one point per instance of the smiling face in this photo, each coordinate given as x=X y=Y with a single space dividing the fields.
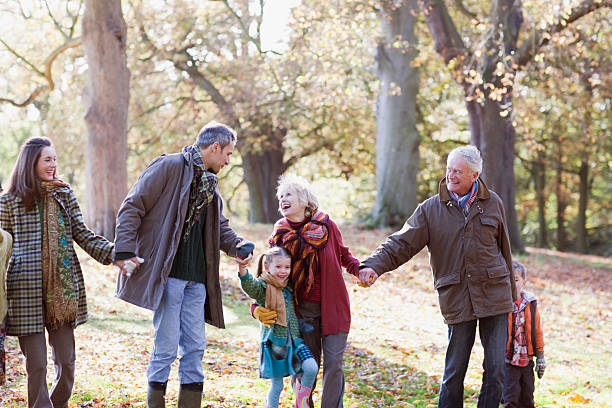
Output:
x=216 y=157
x=459 y=176
x=46 y=164
x=291 y=206
x=279 y=267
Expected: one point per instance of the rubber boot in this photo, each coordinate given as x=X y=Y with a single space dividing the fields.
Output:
x=156 y=395
x=190 y=395
x=301 y=396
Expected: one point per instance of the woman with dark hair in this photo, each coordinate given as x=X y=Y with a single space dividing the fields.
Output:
x=322 y=302
x=45 y=287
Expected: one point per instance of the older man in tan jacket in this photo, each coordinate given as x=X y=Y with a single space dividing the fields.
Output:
x=464 y=229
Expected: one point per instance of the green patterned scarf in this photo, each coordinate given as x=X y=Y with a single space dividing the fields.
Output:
x=202 y=189
x=58 y=284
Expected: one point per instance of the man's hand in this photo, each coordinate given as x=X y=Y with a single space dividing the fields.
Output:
x=265 y=316
x=127 y=266
x=540 y=366
x=367 y=277
x=246 y=260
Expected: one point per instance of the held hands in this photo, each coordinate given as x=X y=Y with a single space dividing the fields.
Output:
x=244 y=253
x=540 y=366
x=265 y=316
x=367 y=277
x=128 y=266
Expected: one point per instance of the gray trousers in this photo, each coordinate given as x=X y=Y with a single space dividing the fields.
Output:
x=34 y=347
x=332 y=346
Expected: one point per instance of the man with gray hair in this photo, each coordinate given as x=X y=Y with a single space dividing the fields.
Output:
x=172 y=222
x=464 y=230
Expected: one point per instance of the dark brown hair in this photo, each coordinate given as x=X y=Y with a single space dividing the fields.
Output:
x=267 y=257
x=24 y=182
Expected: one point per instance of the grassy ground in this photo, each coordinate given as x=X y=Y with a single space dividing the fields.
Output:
x=396 y=349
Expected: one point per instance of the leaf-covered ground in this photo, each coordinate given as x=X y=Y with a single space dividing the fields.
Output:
x=396 y=346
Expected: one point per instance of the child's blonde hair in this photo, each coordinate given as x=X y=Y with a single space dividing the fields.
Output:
x=266 y=258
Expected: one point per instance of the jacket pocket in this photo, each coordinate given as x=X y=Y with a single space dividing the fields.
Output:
x=451 y=279
x=497 y=271
x=488 y=230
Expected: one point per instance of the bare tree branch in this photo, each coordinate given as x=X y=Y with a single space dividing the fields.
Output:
x=224 y=106
x=21 y=57
x=462 y=8
x=245 y=30
x=448 y=42
x=28 y=100
x=75 y=17
x=47 y=74
x=170 y=102
x=541 y=37
x=72 y=43
x=56 y=23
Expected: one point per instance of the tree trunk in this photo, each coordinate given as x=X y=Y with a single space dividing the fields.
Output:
x=491 y=132
x=262 y=168
x=561 y=203
x=539 y=178
x=494 y=136
x=106 y=97
x=583 y=188
x=397 y=139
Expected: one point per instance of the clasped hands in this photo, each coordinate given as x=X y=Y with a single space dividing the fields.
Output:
x=367 y=277
x=128 y=266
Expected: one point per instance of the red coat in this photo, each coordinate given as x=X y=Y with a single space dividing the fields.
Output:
x=335 y=305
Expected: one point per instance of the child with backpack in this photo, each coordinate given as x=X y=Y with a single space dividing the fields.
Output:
x=525 y=339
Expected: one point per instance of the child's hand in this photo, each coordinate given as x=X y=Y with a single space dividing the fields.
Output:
x=540 y=366
x=242 y=270
x=265 y=316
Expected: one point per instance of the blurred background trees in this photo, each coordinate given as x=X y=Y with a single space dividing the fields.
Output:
x=359 y=96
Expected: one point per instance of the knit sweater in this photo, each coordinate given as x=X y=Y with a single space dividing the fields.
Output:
x=256 y=289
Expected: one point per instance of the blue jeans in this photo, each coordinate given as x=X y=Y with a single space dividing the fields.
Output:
x=493 y=336
x=179 y=324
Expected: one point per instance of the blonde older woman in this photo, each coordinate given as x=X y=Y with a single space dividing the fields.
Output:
x=318 y=256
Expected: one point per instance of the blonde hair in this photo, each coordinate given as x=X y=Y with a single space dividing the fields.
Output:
x=301 y=188
x=265 y=259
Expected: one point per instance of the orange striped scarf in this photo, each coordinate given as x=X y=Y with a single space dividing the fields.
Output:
x=303 y=242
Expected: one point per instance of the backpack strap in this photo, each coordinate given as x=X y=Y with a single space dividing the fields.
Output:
x=532 y=308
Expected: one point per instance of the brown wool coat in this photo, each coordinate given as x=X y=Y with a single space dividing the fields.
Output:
x=470 y=256
x=149 y=224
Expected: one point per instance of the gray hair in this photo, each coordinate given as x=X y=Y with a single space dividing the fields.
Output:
x=302 y=190
x=471 y=155
x=517 y=266
x=215 y=132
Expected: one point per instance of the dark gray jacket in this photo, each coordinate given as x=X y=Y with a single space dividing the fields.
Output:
x=149 y=224
x=470 y=256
